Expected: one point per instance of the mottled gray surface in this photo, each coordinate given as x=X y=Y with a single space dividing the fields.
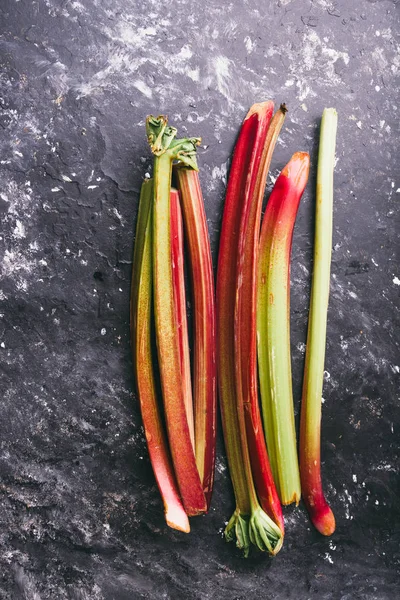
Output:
x=80 y=515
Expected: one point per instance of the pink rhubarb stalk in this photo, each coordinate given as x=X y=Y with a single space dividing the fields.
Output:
x=204 y=375
x=249 y=523
x=246 y=323
x=178 y=275
x=143 y=360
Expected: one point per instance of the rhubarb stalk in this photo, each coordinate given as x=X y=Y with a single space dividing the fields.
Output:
x=204 y=377
x=249 y=523
x=245 y=320
x=273 y=325
x=310 y=423
x=166 y=149
x=141 y=313
x=178 y=276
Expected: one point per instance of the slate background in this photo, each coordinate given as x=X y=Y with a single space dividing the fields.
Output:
x=80 y=514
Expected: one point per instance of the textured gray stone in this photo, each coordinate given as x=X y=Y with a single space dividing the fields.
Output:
x=80 y=514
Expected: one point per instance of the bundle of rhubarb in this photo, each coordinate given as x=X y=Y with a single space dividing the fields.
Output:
x=252 y=339
x=252 y=301
x=183 y=456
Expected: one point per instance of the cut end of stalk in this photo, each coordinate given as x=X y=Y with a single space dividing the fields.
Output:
x=297 y=169
x=294 y=498
x=323 y=519
x=260 y=108
x=176 y=518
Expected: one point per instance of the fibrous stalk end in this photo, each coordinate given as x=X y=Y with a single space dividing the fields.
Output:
x=238 y=528
x=264 y=533
x=257 y=529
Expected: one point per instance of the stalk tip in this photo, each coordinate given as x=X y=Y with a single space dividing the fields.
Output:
x=323 y=520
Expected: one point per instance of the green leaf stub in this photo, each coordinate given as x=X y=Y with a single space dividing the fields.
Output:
x=159 y=134
x=161 y=138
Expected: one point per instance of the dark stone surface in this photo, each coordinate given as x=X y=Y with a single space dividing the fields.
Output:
x=80 y=514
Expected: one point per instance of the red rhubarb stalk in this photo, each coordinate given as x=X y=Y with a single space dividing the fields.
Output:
x=178 y=275
x=166 y=150
x=141 y=316
x=245 y=320
x=204 y=377
x=310 y=423
x=273 y=325
x=249 y=523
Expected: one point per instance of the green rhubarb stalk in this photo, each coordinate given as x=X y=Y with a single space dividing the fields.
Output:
x=204 y=368
x=310 y=423
x=166 y=149
x=141 y=319
x=273 y=325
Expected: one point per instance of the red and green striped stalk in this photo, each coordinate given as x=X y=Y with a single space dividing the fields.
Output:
x=202 y=279
x=249 y=523
x=141 y=318
x=166 y=150
x=245 y=323
x=178 y=275
x=273 y=325
x=310 y=423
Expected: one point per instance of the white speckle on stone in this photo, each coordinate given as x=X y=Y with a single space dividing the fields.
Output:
x=66 y=178
x=377 y=88
x=220 y=172
x=143 y=88
x=2 y=345
x=354 y=478
x=19 y=229
x=147 y=175
x=353 y=295
x=374 y=262
x=249 y=44
x=301 y=347
x=55 y=189
x=92 y=187
x=396 y=280
x=103 y=331
x=359 y=124
x=377 y=33
x=328 y=557
x=304 y=107
x=220 y=73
